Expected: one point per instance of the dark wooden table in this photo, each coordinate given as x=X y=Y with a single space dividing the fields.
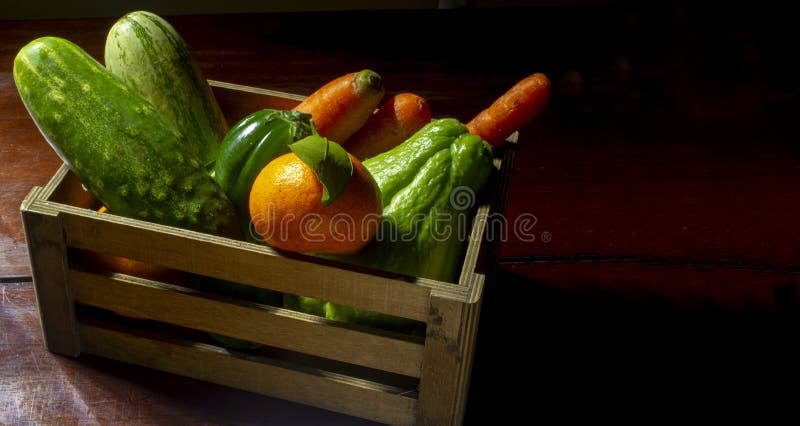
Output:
x=659 y=193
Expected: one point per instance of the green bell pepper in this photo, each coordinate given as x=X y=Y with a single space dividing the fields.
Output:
x=252 y=143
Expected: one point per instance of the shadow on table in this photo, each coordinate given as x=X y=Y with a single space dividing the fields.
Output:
x=544 y=352
x=164 y=398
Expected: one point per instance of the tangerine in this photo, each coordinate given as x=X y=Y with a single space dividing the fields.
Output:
x=287 y=212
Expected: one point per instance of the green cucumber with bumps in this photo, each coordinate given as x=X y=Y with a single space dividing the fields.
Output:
x=118 y=145
x=148 y=54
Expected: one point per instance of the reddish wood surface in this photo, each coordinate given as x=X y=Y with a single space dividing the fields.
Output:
x=663 y=181
x=637 y=188
x=37 y=387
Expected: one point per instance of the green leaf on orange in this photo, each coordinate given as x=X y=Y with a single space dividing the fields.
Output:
x=330 y=163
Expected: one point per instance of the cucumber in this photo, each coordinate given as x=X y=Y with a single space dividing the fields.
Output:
x=117 y=144
x=148 y=54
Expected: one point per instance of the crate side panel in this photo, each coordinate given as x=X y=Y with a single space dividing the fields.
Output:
x=257 y=323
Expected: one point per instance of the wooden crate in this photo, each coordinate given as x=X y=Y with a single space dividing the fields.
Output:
x=374 y=374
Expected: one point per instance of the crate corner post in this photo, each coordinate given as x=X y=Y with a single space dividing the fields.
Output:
x=447 y=361
x=49 y=269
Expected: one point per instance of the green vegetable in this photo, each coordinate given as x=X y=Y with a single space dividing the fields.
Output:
x=335 y=312
x=148 y=54
x=252 y=143
x=234 y=343
x=117 y=144
x=330 y=163
x=428 y=184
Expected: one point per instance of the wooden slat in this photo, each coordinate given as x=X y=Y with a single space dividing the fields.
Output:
x=499 y=224
x=241 y=262
x=48 y=255
x=257 y=323
x=319 y=388
x=239 y=101
x=447 y=361
x=266 y=95
x=481 y=251
x=474 y=247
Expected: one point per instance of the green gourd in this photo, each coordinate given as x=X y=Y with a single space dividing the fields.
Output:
x=429 y=185
x=117 y=144
x=148 y=54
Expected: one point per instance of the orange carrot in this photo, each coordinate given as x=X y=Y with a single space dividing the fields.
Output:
x=516 y=108
x=394 y=122
x=342 y=106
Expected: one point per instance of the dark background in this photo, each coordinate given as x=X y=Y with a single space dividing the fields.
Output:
x=698 y=102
